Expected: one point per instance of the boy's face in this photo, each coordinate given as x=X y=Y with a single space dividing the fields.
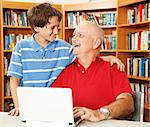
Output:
x=49 y=31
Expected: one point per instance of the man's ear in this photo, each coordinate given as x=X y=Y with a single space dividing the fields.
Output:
x=96 y=43
x=37 y=29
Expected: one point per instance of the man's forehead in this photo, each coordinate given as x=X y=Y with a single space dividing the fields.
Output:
x=81 y=30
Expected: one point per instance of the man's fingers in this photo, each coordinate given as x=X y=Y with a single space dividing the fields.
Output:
x=79 y=114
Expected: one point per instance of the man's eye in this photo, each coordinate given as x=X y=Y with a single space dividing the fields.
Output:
x=81 y=35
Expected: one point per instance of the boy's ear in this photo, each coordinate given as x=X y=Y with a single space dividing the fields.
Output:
x=37 y=29
x=96 y=44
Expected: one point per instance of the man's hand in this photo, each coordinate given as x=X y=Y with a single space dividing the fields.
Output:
x=114 y=60
x=88 y=114
x=14 y=112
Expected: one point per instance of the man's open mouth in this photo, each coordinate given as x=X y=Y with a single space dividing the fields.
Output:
x=77 y=45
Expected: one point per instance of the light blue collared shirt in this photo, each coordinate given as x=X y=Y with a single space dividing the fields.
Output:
x=38 y=66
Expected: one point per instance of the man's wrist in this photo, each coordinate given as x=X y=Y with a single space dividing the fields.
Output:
x=105 y=113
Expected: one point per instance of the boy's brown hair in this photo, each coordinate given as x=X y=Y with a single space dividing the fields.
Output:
x=39 y=15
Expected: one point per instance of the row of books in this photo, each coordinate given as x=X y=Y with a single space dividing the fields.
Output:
x=15 y=18
x=139 y=40
x=138 y=66
x=109 y=43
x=139 y=13
x=145 y=88
x=6 y=63
x=105 y=18
x=100 y=18
x=11 y=39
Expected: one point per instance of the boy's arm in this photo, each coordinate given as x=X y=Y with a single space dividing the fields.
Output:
x=113 y=60
x=14 y=83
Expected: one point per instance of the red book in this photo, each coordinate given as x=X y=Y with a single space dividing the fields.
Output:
x=107 y=43
x=141 y=9
x=139 y=40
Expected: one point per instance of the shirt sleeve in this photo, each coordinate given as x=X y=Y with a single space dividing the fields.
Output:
x=120 y=82
x=72 y=57
x=15 y=66
x=58 y=81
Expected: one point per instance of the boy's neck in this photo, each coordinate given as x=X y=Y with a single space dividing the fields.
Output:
x=41 y=41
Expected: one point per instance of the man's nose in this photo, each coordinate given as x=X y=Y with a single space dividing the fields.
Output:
x=74 y=39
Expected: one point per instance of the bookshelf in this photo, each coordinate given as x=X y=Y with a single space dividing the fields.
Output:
x=96 y=12
x=1 y=62
x=131 y=23
x=11 y=29
x=122 y=28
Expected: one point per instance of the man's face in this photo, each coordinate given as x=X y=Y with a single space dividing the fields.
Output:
x=50 y=31
x=82 y=41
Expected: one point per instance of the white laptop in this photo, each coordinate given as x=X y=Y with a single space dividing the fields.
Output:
x=45 y=106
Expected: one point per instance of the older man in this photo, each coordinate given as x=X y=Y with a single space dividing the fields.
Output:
x=100 y=91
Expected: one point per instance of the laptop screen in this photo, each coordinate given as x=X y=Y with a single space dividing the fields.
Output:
x=45 y=104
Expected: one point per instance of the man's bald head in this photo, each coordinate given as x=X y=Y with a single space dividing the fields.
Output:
x=87 y=39
x=91 y=29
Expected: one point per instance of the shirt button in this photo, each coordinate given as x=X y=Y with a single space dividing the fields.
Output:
x=83 y=71
x=78 y=65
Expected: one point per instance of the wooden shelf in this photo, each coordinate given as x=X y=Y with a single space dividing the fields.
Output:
x=91 y=6
x=16 y=27
x=8 y=97
x=69 y=28
x=147 y=106
x=24 y=5
x=134 y=51
x=16 y=5
x=108 y=27
x=107 y=51
x=103 y=27
x=7 y=51
x=139 y=78
x=135 y=24
x=122 y=3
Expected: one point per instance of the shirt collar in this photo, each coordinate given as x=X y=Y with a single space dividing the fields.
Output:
x=97 y=58
x=51 y=46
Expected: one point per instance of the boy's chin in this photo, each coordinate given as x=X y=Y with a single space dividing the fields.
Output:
x=52 y=39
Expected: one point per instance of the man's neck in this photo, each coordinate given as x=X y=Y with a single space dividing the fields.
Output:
x=40 y=40
x=86 y=61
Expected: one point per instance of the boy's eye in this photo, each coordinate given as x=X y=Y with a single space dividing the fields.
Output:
x=52 y=27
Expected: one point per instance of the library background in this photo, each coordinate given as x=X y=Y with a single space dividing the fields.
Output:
x=126 y=24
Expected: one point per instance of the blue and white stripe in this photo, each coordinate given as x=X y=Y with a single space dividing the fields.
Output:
x=38 y=66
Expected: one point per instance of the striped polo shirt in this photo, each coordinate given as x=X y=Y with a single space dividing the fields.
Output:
x=38 y=66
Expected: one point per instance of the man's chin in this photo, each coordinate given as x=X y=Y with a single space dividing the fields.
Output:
x=75 y=53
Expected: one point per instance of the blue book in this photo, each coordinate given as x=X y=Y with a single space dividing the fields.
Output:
x=142 y=67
